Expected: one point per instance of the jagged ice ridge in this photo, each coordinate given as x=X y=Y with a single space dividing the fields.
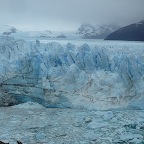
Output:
x=91 y=77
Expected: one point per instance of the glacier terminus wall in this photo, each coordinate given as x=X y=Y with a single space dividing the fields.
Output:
x=100 y=76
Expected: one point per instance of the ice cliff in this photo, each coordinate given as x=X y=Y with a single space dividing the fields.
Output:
x=92 y=77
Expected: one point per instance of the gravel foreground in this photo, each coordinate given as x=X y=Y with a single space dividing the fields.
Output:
x=31 y=123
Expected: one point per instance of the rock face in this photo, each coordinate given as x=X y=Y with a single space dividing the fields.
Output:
x=133 y=32
x=96 y=77
x=89 y=31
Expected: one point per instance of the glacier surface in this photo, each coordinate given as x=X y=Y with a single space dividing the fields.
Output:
x=30 y=123
x=100 y=76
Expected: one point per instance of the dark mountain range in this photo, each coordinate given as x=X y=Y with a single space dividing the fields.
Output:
x=133 y=32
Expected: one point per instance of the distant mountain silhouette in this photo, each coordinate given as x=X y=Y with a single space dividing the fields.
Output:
x=133 y=32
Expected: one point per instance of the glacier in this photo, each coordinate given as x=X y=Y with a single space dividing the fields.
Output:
x=100 y=76
x=30 y=123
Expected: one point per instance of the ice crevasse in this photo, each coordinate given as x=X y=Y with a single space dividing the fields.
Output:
x=69 y=76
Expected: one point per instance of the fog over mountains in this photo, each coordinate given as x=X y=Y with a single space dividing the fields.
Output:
x=89 y=31
x=85 y=31
x=134 y=32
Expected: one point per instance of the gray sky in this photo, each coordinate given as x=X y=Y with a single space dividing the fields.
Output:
x=66 y=15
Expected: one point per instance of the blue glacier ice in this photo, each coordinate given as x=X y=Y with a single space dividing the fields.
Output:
x=100 y=76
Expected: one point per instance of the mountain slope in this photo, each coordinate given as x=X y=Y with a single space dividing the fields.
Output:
x=7 y=30
x=133 y=32
x=89 y=31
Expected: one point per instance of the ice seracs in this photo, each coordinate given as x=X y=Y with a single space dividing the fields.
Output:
x=99 y=76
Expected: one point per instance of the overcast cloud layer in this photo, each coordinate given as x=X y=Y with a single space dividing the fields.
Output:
x=68 y=14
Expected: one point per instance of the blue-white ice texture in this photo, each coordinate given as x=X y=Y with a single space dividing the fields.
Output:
x=99 y=76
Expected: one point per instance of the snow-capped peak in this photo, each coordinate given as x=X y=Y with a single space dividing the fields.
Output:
x=96 y=31
x=7 y=30
x=86 y=29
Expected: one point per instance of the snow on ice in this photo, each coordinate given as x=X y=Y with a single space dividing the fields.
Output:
x=100 y=76
x=76 y=82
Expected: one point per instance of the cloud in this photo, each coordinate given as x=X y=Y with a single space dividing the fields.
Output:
x=68 y=14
